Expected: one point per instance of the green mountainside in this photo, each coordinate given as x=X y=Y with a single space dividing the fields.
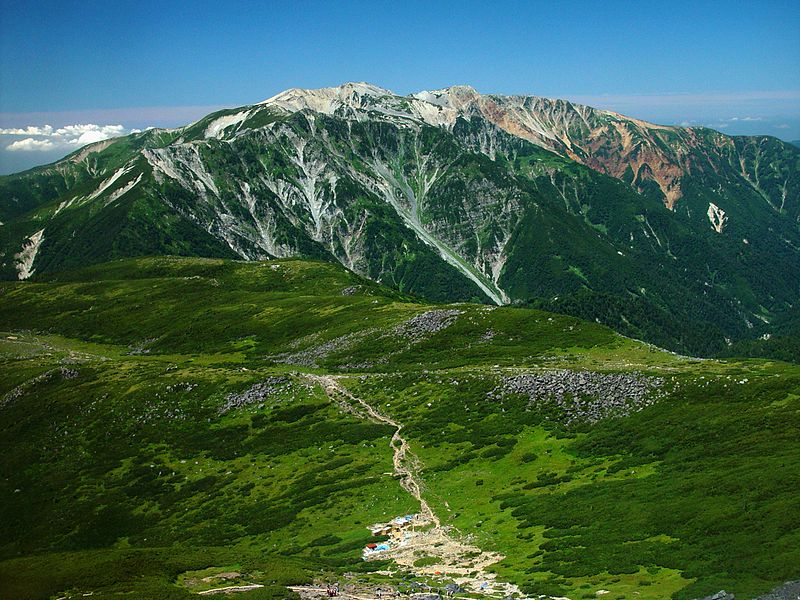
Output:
x=686 y=238
x=173 y=425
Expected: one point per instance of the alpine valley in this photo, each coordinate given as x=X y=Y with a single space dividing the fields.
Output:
x=446 y=344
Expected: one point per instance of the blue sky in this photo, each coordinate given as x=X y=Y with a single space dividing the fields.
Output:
x=730 y=65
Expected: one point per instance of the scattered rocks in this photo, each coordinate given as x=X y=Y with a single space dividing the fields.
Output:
x=21 y=389
x=721 y=595
x=256 y=393
x=68 y=373
x=183 y=386
x=414 y=330
x=310 y=357
x=13 y=395
x=141 y=347
x=427 y=323
x=788 y=591
x=584 y=396
x=453 y=588
x=350 y=291
x=360 y=366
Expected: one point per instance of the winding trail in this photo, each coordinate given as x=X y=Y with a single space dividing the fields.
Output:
x=231 y=589
x=406 y=464
x=455 y=556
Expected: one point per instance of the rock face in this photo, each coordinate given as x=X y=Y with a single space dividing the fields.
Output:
x=581 y=133
x=626 y=148
x=451 y=195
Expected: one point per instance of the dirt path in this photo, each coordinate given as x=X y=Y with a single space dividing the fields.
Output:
x=456 y=558
x=231 y=589
x=406 y=464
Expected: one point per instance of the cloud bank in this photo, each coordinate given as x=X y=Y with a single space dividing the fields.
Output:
x=47 y=138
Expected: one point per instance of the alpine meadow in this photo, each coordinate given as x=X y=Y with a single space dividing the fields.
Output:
x=352 y=342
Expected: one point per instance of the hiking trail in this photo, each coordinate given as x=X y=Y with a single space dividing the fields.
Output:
x=456 y=558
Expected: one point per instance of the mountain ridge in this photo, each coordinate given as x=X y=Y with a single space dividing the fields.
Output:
x=510 y=199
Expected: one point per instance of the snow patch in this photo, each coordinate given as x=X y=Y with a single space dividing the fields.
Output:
x=27 y=255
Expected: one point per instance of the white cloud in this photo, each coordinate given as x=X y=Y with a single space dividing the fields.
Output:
x=782 y=126
x=29 y=130
x=30 y=144
x=64 y=138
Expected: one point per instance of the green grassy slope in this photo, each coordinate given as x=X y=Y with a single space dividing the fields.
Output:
x=157 y=421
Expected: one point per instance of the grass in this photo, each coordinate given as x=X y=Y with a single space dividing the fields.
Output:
x=688 y=486
x=120 y=472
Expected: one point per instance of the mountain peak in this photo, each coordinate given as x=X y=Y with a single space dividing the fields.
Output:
x=361 y=88
x=328 y=100
x=451 y=97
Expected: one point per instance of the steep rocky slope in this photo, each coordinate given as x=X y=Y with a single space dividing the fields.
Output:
x=682 y=237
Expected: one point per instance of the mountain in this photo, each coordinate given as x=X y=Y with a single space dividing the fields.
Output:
x=170 y=426
x=684 y=237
